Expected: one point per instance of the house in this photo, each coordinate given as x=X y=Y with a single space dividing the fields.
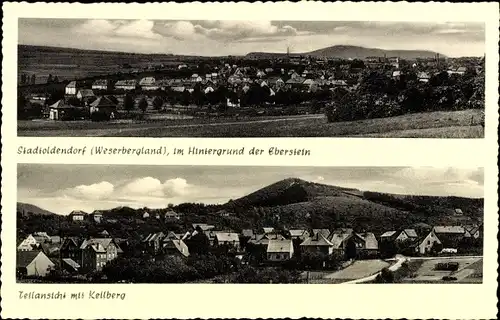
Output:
x=472 y=231
x=61 y=110
x=338 y=83
x=153 y=242
x=70 y=248
x=425 y=244
x=42 y=237
x=171 y=214
x=104 y=234
x=196 y=78
x=279 y=250
x=33 y=263
x=339 y=238
x=97 y=252
x=85 y=94
x=28 y=244
x=459 y=71
x=126 y=85
x=396 y=74
x=263 y=239
x=55 y=239
x=175 y=247
x=299 y=234
x=182 y=66
x=450 y=236
x=318 y=243
x=72 y=88
x=369 y=242
x=145 y=215
x=148 y=83
x=459 y=212
x=104 y=105
x=230 y=239
x=70 y=265
x=77 y=215
x=95 y=216
x=208 y=89
x=406 y=234
x=423 y=77
x=101 y=84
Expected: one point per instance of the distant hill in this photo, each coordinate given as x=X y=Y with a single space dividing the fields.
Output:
x=355 y=52
x=32 y=209
x=292 y=190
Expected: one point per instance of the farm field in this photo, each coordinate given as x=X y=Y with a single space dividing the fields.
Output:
x=439 y=124
x=469 y=271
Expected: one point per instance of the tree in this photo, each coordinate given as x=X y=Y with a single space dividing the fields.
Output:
x=56 y=79
x=158 y=102
x=350 y=249
x=128 y=103
x=49 y=79
x=143 y=104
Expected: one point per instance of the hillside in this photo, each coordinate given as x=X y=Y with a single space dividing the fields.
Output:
x=30 y=209
x=355 y=52
x=290 y=191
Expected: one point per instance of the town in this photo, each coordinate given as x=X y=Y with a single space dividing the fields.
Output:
x=185 y=91
x=229 y=244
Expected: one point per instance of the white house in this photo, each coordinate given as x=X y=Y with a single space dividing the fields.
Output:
x=33 y=263
x=27 y=244
x=279 y=250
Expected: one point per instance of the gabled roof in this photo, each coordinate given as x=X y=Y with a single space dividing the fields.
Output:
x=203 y=226
x=449 y=229
x=147 y=81
x=324 y=232
x=296 y=232
x=101 y=82
x=227 y=237
x=370 y=240
x=85 y=93
x=78 y=212
x=103 y=102
x=131 y=82
x=339 y=236
x=411 y=233
x=154 y=237
x=61 y=104
x=388 y=234
x=24 y=258
x=317 y=240
x=98 y=244
x=178 y=245
x=285 y=246
x=72 y=263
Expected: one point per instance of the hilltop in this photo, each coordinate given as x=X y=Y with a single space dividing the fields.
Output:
x=355 y=52
x=30 y=209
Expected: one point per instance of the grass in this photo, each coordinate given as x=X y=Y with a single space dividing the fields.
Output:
x=359 y=269
x=439 y=124
x=426 y=273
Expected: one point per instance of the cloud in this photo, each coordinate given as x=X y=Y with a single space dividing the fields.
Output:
x=96 y=191
x=180 y=30
x=224 y=30
x=118 y=28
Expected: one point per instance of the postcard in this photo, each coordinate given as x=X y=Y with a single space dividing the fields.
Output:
x=249 y=160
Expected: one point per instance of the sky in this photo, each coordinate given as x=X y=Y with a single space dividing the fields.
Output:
x=63 y=188
x=224 y=37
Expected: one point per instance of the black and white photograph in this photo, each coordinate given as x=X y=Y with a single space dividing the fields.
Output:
x=237 y=224
x=255 y=78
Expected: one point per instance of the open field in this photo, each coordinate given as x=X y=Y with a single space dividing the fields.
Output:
x=469 y=271
x=439 y=124
x=358 y=270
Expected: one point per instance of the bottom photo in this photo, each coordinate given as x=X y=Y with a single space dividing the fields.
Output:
x=243 y=224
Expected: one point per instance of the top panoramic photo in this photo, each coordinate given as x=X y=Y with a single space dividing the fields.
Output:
x=206 y=78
